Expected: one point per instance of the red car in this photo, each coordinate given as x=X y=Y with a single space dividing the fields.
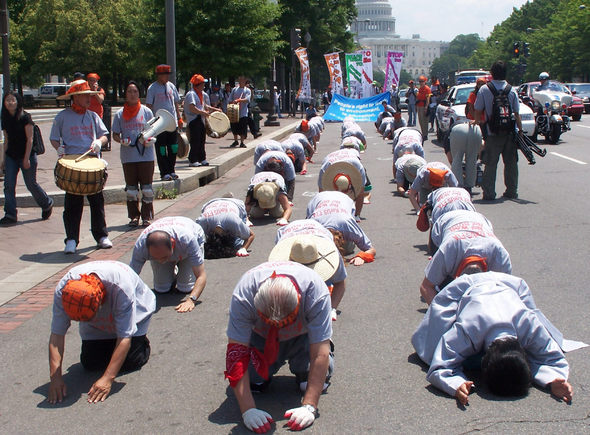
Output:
x=576 y=109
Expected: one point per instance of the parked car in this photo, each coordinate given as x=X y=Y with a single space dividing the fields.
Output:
x=581 y=90
x=49 y=92
x=451 y=110
x=403 y=105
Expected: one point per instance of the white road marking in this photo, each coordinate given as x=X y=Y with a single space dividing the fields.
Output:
x=385 y=158
x=568 y=158
x=583 y=126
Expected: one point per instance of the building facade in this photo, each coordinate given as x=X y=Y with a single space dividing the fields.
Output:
x=374 y=28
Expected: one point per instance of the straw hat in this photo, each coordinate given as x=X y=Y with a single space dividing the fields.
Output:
x=77 y=87
x=318 y=253
x=343 y=177
x=266 y=194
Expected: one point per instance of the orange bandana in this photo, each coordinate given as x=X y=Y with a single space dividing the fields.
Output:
x=129 y=112
x=82 y=297
x=472 y=259
x=78 y=109
x=437 y=176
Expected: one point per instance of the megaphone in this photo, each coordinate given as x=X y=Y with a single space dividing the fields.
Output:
x=163 y=121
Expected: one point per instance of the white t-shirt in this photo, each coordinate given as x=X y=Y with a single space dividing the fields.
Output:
x=189 y=240
x=130 y=130
x=125 y=312
x=288 y=167
x=77 y=131
x=313 y=318
x=238 y=93
x=265 y=176
x=227 y=213
x=192 y=98
x=296 y=148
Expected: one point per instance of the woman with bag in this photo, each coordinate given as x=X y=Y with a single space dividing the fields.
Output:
x=17 y=126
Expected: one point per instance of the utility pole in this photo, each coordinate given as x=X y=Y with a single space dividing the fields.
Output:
x=4 y=31
x=170 y=39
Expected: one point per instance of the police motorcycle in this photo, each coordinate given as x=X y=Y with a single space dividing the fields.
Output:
x=551 y=100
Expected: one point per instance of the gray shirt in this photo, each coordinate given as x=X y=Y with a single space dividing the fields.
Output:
x=192 y=98
x=77 y=131
x=161 y=96
x=287 y=163
x=130 y=130
x=448 y=199
x=485 y=99
x=422 y=180
x=238 y=93
x=264 y=146
x=227 y=213
x=461 y=224
x=347 y=155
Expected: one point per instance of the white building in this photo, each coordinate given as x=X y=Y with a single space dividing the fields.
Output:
x=374 y=28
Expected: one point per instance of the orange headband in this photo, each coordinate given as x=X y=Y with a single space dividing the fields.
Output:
x=472 y=259
x=81 y=298
x=292 y=316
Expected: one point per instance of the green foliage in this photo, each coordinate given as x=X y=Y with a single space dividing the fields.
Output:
x=163 y=193
x=457 y=57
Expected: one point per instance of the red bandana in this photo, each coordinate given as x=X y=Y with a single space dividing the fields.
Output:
x=78 y=109
x=129 y=112
x=473 y=259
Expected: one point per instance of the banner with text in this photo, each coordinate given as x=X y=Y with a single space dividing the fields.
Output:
x=335 y=69
x=354 y=73
x=304 y=93
x=368 y=89
x=361 y=110
x=393 y=69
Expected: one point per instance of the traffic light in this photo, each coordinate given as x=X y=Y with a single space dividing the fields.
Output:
x=295 y=39
x=525 y=49
x=516 y=49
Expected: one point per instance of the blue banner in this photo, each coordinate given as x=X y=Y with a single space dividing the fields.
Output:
x=363 y=109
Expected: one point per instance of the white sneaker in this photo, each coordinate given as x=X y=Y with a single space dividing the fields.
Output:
x=194 y=164
x=70 y=247
x=105 y=243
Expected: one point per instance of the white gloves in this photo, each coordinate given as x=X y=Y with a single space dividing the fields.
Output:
x=257 y=420
x=242 y=252
x=61 y=151
x=300 y=418
x=96 y=146
x=126 y=142
x=150 y=141
x=282 y=222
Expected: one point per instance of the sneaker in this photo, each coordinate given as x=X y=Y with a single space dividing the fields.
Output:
x=204 y=163
x=166 y=177
x=105 y=243
x=234 y=144
x=257 y=135
x=174 y=176
x=334 y=315
x=45 y=214
x=7 y=220
x=194 y=164
x=431 y=130
x=509 y=195
x=70 y=247
x=242 y=145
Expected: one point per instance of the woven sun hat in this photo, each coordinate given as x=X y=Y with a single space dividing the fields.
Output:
x=318 y=253
x=411 y=168
x=343 y=177
x=77 y=87
x=266 y=194
x=81 y=298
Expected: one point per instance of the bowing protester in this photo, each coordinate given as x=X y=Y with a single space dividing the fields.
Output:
x=267 y=194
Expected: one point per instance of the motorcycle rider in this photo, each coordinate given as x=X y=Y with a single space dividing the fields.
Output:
x=544 y=79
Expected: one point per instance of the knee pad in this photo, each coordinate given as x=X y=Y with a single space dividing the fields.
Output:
x=147 y=193
x=162 y=150
x=174 y=148
x=132 y=193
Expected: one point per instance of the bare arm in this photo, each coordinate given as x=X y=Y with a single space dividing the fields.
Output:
x=201 y=281
x=57 y=387
x=117 y=137
x=242 y=389
x=413 y=196
x=427 y=290
x=319 y=360
x=284 y=201
x=249 y=240
x=102 y=387
x=194 y=109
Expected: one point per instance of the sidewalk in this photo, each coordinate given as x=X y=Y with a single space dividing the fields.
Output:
x=33 y=249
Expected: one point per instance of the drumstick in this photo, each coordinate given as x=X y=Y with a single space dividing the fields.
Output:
x=83 y=155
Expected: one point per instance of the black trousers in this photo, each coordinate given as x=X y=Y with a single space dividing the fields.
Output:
x=73 y=208
x=198 y=137
x=97 y=354
x=166 y=149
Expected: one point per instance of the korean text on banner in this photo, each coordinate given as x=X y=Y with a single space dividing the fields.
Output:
x=361 y=110
x=354 y=72
x=304 y=93
x=335 y=69
x=368 y=89
x=393 y=68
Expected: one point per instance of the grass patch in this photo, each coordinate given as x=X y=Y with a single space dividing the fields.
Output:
x=163 y=193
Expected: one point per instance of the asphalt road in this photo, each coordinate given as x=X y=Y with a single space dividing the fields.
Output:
x=378 y=385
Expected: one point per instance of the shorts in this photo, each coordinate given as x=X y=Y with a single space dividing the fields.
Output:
x=240 y=128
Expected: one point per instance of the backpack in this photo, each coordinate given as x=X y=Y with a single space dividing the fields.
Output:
x=38 y=145
x=501 y=121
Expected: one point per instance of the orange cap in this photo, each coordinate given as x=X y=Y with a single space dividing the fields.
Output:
x=92 y=76
x=82 y=297
x=197 y=79
x=163 y=69
x=304 y=125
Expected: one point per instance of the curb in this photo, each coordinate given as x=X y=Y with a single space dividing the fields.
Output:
x=185 y=183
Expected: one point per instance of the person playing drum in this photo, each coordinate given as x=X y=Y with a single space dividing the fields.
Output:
x=77 y=130
x=240 y=95
x=137 y=157
x=196 y=109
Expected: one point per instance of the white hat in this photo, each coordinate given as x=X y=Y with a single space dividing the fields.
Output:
x=411 y=167
x=318 y=253
x=266 y=194
x=343 y=177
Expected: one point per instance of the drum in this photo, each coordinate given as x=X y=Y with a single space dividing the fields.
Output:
x=233 y=113
x=217 y=124
x=85 y=177
x=183 y=144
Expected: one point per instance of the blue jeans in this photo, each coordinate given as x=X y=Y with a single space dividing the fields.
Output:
x=411 y=115
x=11 y=168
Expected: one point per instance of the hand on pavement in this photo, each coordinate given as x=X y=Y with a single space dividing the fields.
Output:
x=562 y=389
x=282 y=222
x=96 y=146
x=242 y=252
x=299 y=418
x=57 y=390
x=185 y=306
x=357 y=261
x=462 y=393
x=257 y=420
x=99 y=390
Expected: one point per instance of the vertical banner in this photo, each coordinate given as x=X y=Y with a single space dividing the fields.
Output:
x=335 y=69
x=354 y=73
x=368 y=89
x=304 y=93
x=393 y=69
